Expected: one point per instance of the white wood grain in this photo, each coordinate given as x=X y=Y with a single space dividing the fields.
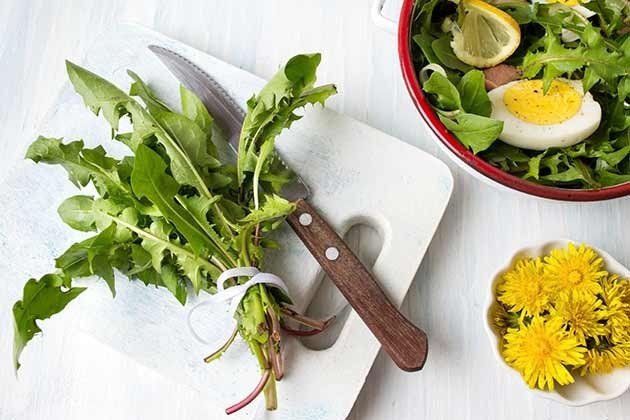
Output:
x=78 y=378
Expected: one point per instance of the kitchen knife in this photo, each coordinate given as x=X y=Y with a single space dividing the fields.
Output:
x=405 y=343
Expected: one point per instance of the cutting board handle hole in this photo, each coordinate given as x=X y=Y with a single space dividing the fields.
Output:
x=366 y=242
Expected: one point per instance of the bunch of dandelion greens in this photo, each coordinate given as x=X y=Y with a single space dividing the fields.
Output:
x=563 y=314
x=174 y=213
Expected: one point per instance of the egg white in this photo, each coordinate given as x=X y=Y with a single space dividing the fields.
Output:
x=526 y=135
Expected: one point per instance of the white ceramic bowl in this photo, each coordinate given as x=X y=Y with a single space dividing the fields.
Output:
x=585 y=389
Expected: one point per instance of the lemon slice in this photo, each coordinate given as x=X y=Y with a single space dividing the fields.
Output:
x=485 y=35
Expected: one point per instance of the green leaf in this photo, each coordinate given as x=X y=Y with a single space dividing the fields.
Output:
x=91 y=257
x=150 y=180
x=265 y=153
x=587 y=173
x=444 y=52
x=473 y=93
x=445 y=93
x=101 y=267
x=156 y=248
x=174 y=283
x=157 y=240
x=614 y=158
x=623 y=89
x=273 y=207
x=556 y=60
x=474 y=131
x=198 y=207
x=608 y=179
x=553 y=162
x=590 y=79
x=569 y=175
x=83 y=165
x=424 y=40
x=523 y=12
x=192 y=139
x=603 y=61
x=140 y=89
x=103 y=207
x=273 y=108
x=251 y=316
x=74 y=261
x=196 y=111
x=425 y=13
x=534 y=167
x=508 y=158
x=185 y=131
x=101 y=95
x=611 y=13
x=140 y=265
x=54 y=152
x=41 y=299
x=77 y=213
x=129 y=215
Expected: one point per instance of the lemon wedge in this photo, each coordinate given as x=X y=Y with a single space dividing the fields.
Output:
x=484 y=36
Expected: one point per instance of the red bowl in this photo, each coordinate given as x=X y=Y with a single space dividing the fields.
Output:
x=466 y=156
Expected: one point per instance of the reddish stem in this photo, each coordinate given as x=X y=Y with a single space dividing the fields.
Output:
x=257 y=235
x=308 y=333
x=300 y=333
x=275 y=357
x=274 y=325
x=275 y=360
x=252 y=396
x=305 y=320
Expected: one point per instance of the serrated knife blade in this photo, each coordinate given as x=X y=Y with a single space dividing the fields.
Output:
x=228 y=114
x=405 y=343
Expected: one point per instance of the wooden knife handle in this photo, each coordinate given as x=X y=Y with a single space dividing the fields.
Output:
x=405 y=343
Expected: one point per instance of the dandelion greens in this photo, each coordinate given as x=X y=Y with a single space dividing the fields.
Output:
x=173 y=214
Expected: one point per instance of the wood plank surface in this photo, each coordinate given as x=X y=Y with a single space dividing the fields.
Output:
x=76 y=377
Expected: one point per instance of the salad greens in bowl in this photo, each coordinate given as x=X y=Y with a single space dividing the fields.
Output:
x=533 y=95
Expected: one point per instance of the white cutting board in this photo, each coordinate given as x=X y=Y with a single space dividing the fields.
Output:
x=357 y=175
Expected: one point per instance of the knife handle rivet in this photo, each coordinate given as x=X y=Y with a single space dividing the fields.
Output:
x=305 y=219
x=332 y=253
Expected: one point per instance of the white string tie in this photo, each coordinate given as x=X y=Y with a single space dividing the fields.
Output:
x=235 y=294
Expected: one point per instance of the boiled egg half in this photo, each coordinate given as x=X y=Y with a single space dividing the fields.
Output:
x=533 y=120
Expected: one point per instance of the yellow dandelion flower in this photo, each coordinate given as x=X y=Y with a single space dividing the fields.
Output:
x=614 y=287
x=605 y=359
x=575 y=268
x=616 y=294
x=524 y=289
x=541 y=352
x=582 y=315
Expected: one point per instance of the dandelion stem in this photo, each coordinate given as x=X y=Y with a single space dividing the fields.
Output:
x=308 y=333
x=223 y=348
x=305 y=320
x=252 y=396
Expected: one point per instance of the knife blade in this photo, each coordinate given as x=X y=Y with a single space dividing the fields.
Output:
x=405 y=343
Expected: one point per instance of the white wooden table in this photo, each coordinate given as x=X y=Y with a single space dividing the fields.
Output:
x=78 y=378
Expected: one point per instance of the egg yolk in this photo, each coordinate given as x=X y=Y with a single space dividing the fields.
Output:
x=526 y=101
